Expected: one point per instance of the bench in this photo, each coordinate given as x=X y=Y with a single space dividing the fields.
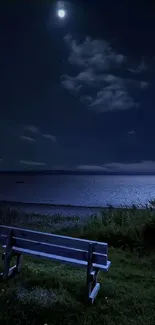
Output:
x=78 y=252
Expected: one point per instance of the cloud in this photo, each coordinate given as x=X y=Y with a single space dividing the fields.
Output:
x=131 y=132
x=142 y=166
x=28 y=139
x=109 y=100
x=32 y=163
x=103 y=83
x=144 y=84
x=32 y=128
x=94 y=53
x=141 y=68
x=136 y=167
x=50 y=137
x=70 y=84
x=91 y=168
x=86 y=99
x=36 y=130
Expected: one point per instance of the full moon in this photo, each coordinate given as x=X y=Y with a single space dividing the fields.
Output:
x=61 y=13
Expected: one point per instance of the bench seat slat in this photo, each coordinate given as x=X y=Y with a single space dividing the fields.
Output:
x=72 y=261
x=55 y=239
x=77 y=254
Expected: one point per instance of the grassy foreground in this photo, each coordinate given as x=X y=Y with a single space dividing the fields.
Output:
x=49 y=293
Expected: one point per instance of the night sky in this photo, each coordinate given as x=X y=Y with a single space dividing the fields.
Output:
x=78 y=92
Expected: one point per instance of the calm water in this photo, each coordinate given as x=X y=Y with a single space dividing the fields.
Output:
x=78 y=190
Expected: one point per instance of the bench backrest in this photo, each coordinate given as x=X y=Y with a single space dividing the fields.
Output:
x=64 y=246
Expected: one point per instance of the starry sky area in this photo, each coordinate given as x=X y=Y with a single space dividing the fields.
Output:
x=77 y=93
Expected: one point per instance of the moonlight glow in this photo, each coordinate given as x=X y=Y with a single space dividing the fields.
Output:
x=61 y=13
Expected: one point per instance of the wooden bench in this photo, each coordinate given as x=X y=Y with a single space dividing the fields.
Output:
x=79 y=252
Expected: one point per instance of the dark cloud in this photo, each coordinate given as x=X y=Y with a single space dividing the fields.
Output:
x=50 y=137
x=28 y=139
x=36 y=130
x=131 y=132
x=100 y=69
x=32 y=128
x=141 y=68
x=142 y=166
x=32 y=163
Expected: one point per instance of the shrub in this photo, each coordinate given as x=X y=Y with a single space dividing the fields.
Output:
x=127 y=228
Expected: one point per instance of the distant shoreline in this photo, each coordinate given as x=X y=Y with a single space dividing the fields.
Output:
x=51 y=209
x=52 y=205
x=55 y=209
x=73 y=172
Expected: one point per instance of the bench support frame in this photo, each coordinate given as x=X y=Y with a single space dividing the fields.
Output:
x=7 y=256
x=93 y=286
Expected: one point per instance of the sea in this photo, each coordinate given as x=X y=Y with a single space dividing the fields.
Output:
x=78 y=190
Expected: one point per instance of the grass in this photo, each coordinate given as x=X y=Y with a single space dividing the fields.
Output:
x=50 y=293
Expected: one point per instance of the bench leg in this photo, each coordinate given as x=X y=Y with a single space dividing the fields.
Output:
x=7 y=260
x=11 y=271
x=7 y=256
x=95 y=286
x=19 y=262
x=92 y=285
